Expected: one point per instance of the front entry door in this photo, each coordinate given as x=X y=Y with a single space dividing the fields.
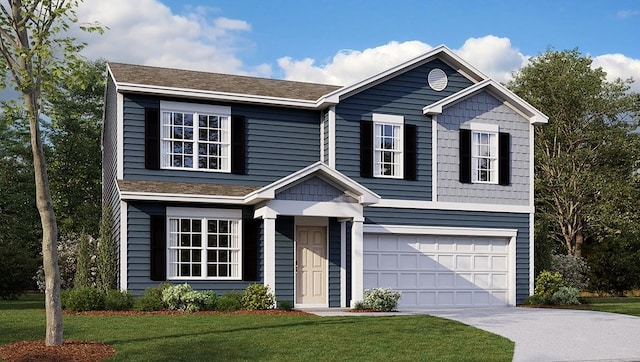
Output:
x=311 y=274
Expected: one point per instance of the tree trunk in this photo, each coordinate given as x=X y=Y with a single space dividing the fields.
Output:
x=44 y=203
x=579 y=241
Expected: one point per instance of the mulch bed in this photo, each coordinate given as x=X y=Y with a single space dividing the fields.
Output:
x=82 y=351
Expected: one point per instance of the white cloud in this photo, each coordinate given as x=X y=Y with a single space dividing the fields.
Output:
x=620 y=66
x=148 y=32
x=491 y=55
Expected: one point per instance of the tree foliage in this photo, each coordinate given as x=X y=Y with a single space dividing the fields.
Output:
x=587 y=156
x=34 y=53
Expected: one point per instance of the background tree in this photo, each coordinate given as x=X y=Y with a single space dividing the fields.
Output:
x=34 y=52
x=586 y=157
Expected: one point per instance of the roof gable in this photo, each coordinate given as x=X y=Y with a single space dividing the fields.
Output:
x=495 y=89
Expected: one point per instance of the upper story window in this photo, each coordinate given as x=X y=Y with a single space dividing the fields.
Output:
x=484 y=154
x=195 y=136
x=204 y=243
x=388 y=146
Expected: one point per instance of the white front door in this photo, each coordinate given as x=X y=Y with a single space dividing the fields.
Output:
x=311 y=273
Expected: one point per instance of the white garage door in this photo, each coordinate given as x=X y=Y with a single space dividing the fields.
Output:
x=439 y=271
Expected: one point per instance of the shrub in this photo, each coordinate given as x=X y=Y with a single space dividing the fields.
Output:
x=151 y=300
x=230 y=302
x=209 y=300
x=381 y=299
x=286 y=305
x=574 y=270
x=182 y=297
x=565 y=295
x=534 y=300
x=258 y=297
x=118 y=300
x=547 y=283
x=360 y=305
x=16 y=268
x=82 y=299
x=106 y=254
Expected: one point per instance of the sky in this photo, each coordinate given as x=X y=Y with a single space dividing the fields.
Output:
x=342 y=42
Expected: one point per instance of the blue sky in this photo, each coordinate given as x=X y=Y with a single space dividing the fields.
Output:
x=339 y=41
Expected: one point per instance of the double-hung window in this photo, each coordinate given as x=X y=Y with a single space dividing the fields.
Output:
x=388 y=145
x=484 y=156
x=204 y=243
x=195 y=136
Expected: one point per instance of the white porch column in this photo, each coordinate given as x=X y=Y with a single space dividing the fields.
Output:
x=357 y=264
x=270 y=252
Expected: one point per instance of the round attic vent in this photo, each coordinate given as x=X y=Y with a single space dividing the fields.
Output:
x=437 y=79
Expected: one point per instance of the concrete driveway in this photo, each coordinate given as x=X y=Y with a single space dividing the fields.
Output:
x=556 y=334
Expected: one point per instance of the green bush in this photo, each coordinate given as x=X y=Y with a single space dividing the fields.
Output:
x=151 y=300
x=16 y=269
x=230 y=302
x=565 y=295
x=209 y=300
x=118 y=300
x=82 y=299
x=182 y=297
x=534 y=300
x=360 y=305
x=381 y=299
x=258 y=297
x=286 y=305
x=547 y=283
x=574 y=270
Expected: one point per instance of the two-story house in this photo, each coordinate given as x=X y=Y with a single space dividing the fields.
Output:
x=419 y=178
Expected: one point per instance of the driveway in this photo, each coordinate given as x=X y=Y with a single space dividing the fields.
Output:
x=556 y=334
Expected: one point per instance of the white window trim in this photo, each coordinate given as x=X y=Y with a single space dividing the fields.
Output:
x=493 y=130
x=196 y=109
x=205 y=214
x=393 y=120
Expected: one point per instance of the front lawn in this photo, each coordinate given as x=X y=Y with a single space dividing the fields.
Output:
x=622 y=305
x=198 y=337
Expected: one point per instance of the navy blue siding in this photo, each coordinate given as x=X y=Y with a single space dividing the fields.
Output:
x=471 y=219
x=285 y=264
x=334 y=263
x=138 y=257
x=110 y=197
x=280 y=141
x=348 y=266
x=405 y=95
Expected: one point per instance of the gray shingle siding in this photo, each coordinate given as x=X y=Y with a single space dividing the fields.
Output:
x=469 y=219
x=279 y=141
x=405 y=95
x=314 y=189
x=482 y=108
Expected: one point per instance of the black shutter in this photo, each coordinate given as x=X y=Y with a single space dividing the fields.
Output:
x=238 y=145
x=152 y=138
x=158 y=248
x=366 y=149
x=465 y=156
x=410 y=131
x=250 y=250
x=504 y=159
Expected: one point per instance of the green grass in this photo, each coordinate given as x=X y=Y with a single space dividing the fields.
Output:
x=621 y=305
x=193 y=337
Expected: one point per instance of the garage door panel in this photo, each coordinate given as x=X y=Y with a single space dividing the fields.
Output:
x=438 y=271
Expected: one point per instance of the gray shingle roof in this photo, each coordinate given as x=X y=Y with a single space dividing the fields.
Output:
x=184 y=188
x=216 y=82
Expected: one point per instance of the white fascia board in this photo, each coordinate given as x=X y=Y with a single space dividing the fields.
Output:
x=220 y=96
x=439 y=230
x=156 y=196
x=495 y=88
x=453 y=206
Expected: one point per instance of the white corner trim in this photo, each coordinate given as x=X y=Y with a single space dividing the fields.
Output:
x=439 y=230
x=332 y=137
x=434 y=158
x=454 y=206
x=119 y=136
x=124 y=261
x=512 y=271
